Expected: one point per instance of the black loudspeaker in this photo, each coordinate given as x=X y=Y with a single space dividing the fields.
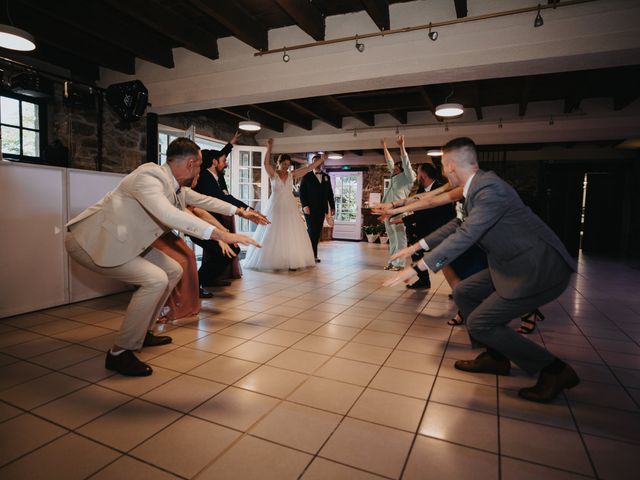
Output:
x=79 y=95
x=129 y=100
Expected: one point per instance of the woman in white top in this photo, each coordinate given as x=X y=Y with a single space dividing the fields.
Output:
x=285 y=243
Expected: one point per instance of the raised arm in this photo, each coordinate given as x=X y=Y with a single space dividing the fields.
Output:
x=299 y=172
x=387 y=156
x=267 y=159
x=406 y=163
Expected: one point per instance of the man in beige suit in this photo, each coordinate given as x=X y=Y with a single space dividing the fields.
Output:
x=113 y=238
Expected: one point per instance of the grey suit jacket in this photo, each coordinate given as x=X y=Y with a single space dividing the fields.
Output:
x=142 y=207
x=523 y=253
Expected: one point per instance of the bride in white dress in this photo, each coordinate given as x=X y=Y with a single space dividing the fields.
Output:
x=285 y=243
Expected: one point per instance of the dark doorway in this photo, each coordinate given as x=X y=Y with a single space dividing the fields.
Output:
x=603 y=211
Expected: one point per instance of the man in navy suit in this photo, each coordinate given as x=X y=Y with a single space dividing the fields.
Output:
x=316 y=198
x=211 y=182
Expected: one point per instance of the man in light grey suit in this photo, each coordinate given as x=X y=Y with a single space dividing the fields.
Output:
x=113 y=238
x=528 y=267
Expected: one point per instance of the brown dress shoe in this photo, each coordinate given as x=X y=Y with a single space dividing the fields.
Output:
x=549 y=385
x=485 y=363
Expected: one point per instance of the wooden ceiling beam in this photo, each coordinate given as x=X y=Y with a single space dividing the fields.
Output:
x=103 y=23
x=525 y=92
x=366 y=118
x=577 y=90
x=165 y=22
x=237 y=21
x=246 y=113
x=289 y=115
x=378 y=10
x=477 y=100
x=461 y=8
x=306 y=16
x=399 y=115
x=316 y=111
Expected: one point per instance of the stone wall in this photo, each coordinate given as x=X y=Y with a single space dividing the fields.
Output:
x=210 y=125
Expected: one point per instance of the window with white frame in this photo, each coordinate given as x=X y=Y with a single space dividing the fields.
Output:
x=22 y=134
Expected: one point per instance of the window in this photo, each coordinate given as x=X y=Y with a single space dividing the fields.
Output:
x=20 y=120
x=250 y=184
x=346 y=198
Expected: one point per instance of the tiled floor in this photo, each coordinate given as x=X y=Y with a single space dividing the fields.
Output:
x=321 y=374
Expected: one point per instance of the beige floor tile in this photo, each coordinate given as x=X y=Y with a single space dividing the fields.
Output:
x=388 y=409
x=104 y=342
x=51 y=462
x=465 y=395
x=422 y=345
x=255 y=351
x=317 y=344
x=337 y=331
x=7 y=411
x=256 y=307
x=82 y=333
x=460 y=425
x=172 y=394
x=273 y=381
x=182 y=359
x=56 y=326
x=216 y=343
x=530 y=441
x=513 y=469
x=380 y=339
x=316 y=316
x=299 y=325
x=446 y=460
x=299 y=361
x=28 y=320
x=283 y=338
x=370 y=447
x=68 y=311
x=132 y=469
x=266 y=320
x=364 y=353
x=321 y=469
x=25 y=433
x=34 y=347
x=327 y=394
x=200 y=442
x=253 y=458
x=297 y=426
x=351 y=320
x=415 y=362
x=234 y=314
x=16 y=337
x=330 y=307
x=555 y=414
x=606 y=422
x=209 y=324
x=411 y=384
x=235 y=408
x=613 y=459
x=243 y=330
x=183 y=336
x=286 y=311
x=81 y=406
x=129 y=425
x=136 y=386
x=41 y=390
x=19 y=372
x=387 y=326
x=6 y=359
x=91 y=370
x=224 y=369
x=67 y=356
x=348 y=371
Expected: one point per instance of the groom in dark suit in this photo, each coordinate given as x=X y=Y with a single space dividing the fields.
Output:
x=528 y=267
x=316 y=198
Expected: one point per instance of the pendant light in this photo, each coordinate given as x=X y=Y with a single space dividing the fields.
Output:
x=13 y=38
x=449 y=110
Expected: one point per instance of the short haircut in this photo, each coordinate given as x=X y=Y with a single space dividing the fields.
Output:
x=315 y=157
x=182 y=147
x=429 y=169
x=284 y=157
x=466 y=147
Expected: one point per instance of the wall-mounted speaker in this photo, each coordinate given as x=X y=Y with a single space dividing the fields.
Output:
x=129 y=99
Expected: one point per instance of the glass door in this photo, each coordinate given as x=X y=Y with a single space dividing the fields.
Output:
x=249 y=182
x=347 y=190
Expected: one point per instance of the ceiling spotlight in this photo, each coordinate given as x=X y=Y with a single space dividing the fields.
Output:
x=538 y=22
x=449 y=110
x=397 y=130
x=359 y=45
x=285 y=57
x=355 y=133
x=434 y=152
x=334 y=156
x=500 y=123
x=433 y=36
x=249 y=126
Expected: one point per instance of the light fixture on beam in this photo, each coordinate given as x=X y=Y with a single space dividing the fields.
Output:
x=538 y=22
x=434 y=152
x=249 y=126
x=433 y=36
x=13 y=38
x=285 y=56
x=449 y=110
x=334 y=156
x=359 y=45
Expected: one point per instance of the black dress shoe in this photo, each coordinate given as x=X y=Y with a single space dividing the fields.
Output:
x=219 y=283
x=128 y=364
x=419 y=284
x=549 y=385
x=317 y=260
x=485 y=363
x=205 y=294
x=151 y=340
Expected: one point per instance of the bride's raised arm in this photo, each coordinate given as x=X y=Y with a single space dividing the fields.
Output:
x=300 y=172
x=267 y=159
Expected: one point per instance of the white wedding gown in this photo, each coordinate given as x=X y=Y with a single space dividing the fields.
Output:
x=285 y=242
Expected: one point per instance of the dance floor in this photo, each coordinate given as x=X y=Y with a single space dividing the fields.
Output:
x=322 y=374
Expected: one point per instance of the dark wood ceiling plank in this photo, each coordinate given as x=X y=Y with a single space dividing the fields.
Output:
x=378 y=10
x=525 y=92
x=102 y=22
x=70 y=40
x=289 y=115
x=314 y=109
x=165 y=22
x=477 y=100
x=305 y=15
x=237 y=21
x=366 y=118
x=399 y=115
x=461 y=8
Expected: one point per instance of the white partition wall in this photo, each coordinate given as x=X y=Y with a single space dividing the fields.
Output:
x=33 y=263
x=85 y=188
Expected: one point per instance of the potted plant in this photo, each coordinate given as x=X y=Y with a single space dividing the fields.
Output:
x=384 y=238
x=371 y=231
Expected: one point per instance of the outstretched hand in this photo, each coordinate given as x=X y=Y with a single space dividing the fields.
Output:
x=243 y=239
x=383 y=142
x=403 y=275
x=227 y=251
x=406 y=252
x=255 y=217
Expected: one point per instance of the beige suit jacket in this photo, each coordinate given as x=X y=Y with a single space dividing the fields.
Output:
x=141 y=208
